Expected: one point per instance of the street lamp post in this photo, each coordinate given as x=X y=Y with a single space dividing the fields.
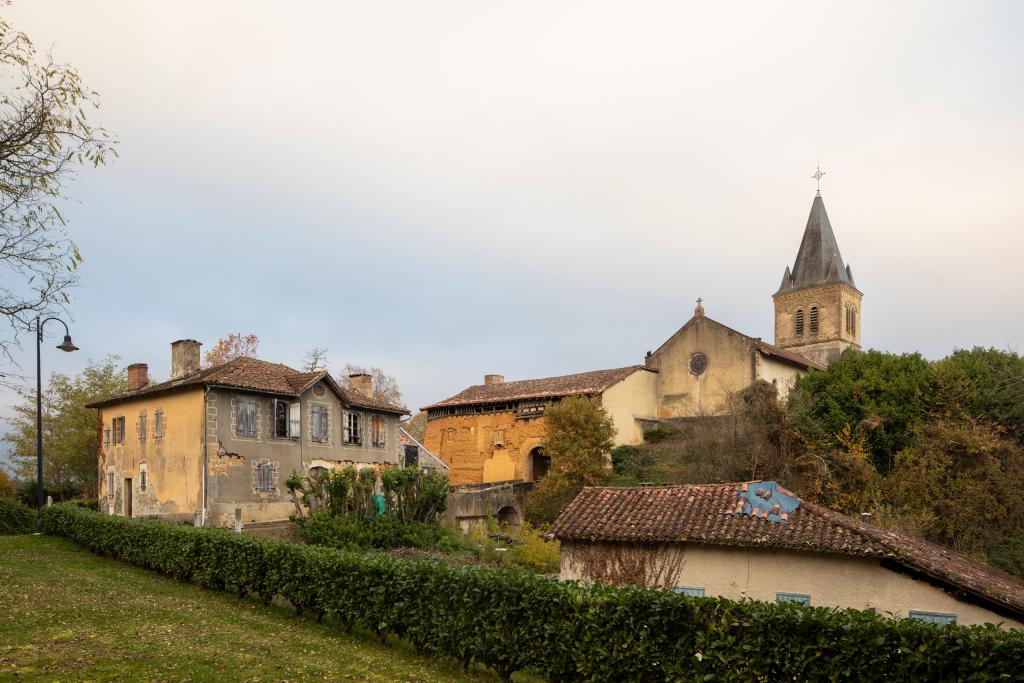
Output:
x=66 y=345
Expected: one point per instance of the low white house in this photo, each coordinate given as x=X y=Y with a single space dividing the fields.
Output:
x=755 y=540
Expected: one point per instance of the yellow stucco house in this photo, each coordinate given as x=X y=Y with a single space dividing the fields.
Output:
x=708 y=540
x=493 y=431
x=213 y=446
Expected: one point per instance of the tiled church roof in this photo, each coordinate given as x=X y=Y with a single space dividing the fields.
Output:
x=698 y=513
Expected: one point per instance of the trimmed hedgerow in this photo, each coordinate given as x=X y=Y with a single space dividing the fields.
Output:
x=511 y=620
x=16 y=517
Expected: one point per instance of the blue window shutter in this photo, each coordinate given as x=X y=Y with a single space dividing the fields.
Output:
x=941 y=618
x=800 y=598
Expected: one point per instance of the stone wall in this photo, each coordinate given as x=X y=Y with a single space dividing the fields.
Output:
x=467 y=444
x=833 y=337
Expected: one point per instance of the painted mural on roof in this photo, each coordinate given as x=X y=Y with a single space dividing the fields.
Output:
x=765 y=499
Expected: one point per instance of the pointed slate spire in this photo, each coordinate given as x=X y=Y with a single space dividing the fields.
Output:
x=787 y=280
x=818 y=261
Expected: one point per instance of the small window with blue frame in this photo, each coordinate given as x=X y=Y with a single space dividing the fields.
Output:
x=691 y=591
x=941 y=618
x=799 y=598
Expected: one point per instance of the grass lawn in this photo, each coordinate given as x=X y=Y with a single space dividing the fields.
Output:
x=66 y=614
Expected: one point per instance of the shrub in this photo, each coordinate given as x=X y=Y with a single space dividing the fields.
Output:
x=536 y=552
x=16 y=517
x=511 y=620
x=354 y=533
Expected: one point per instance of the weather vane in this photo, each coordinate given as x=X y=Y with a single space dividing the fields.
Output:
x=817 y=177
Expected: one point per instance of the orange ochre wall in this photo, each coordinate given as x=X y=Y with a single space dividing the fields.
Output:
x=466 y=444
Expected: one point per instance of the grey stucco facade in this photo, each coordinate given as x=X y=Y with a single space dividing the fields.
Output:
x=235 y=484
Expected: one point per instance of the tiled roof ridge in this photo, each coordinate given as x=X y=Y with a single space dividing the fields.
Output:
x=661 y=514
x=506 y=391
x=278 y=382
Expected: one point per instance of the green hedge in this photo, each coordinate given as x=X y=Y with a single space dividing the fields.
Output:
x=511 y=620
x=353 y=533
x=16 y=517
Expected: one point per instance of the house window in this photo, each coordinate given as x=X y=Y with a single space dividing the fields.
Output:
x=286 y=419
x=158 y=424
x=793 y=597
x=499 y=438
x=941 y=618
x=693 y=592
x=320 y=418
x=380 y=431
x=265 y=478
x=106 y=436
x=353 y=430
x=118 y=429
x=110 y=483
x=143 y=478
x=799 y=322
x=814 y=320
x=142 y=426
x=245 y=416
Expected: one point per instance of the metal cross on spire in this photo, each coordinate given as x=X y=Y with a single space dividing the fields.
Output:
x=817 y=177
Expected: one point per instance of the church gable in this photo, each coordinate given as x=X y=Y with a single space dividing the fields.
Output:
x=700 y=366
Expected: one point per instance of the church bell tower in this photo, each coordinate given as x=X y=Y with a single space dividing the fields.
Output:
x=817 y=307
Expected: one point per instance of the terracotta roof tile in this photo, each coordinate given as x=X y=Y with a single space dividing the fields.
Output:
x=582 y=383
x=257 y=375
x=696 y=513
x=789 y=356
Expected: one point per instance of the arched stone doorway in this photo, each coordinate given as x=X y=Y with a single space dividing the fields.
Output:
x=508 y=519
x=537 y=464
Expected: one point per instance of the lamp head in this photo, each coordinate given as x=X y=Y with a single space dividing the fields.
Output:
x=67 y=344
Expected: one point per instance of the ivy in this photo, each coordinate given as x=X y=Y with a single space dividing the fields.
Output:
x=511 y=620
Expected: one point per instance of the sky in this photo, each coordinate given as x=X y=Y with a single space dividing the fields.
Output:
x=449 y=189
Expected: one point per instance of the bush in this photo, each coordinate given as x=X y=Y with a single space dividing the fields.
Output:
x=536 y=552
x=353 y=533
x=511 y=620
x=16 y=517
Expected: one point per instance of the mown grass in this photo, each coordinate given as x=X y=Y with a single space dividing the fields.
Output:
x=66 y=614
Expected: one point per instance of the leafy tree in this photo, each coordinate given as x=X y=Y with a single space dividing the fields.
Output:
x=7 y=485
x=315 y=359
x=880 y=396
x=987 y=384
x=45 y=137
x=578 y=437
x=417 y=425
x=231 y=347
x=70 y=430
x=385 y=386
x=959 y=484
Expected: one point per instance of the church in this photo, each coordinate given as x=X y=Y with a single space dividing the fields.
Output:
x=494 y=431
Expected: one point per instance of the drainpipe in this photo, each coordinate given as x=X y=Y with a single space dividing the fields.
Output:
x=202 y=512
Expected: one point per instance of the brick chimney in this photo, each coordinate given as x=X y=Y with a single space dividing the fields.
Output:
x=184 y=357
x=138 y=376
x=361 y=383
x=493 y=379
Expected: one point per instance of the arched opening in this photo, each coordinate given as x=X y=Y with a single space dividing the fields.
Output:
x=799 y=323
x=814 y=320
x=508 y=520
x=539 y=464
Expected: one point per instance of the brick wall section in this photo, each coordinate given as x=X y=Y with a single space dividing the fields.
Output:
x=466 y=444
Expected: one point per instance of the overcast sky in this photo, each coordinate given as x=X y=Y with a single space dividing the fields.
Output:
x=447 y=189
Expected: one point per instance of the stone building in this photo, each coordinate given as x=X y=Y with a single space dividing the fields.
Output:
x=214 y=445
x=817 y=307
x=731 y=540
x=494 y=431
